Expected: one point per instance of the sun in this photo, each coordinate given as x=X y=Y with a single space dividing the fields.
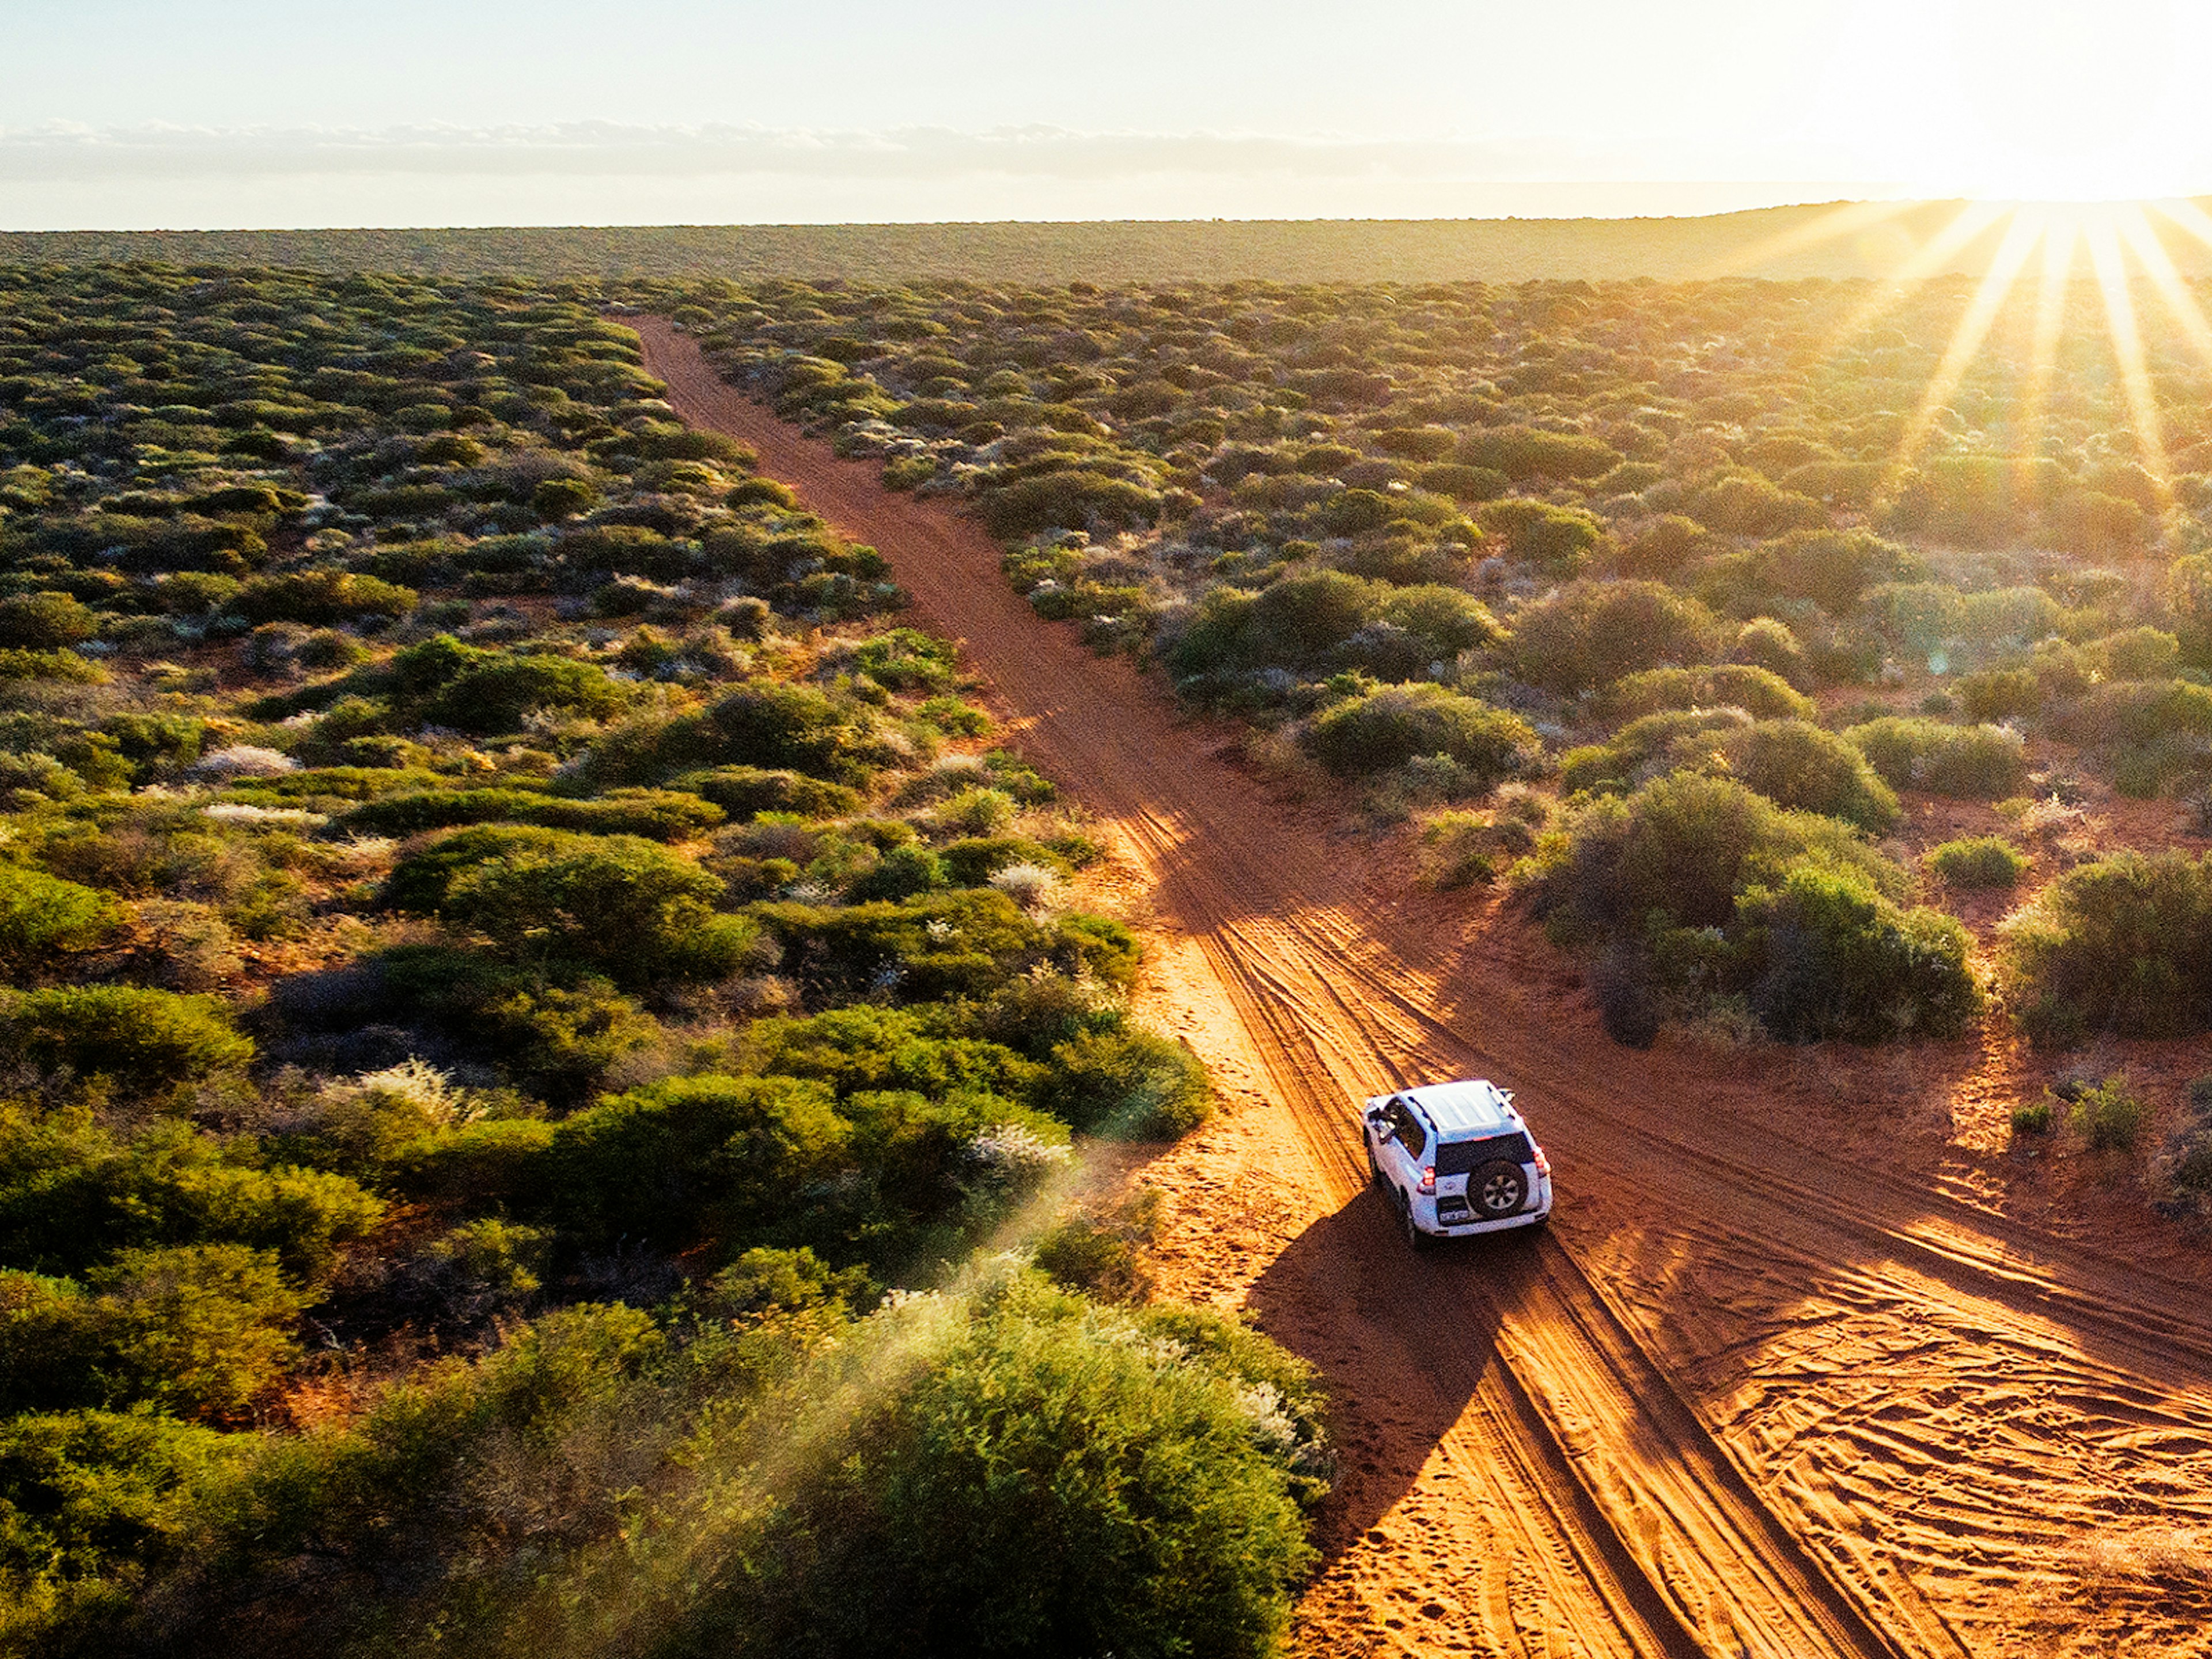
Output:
x=2065 y=100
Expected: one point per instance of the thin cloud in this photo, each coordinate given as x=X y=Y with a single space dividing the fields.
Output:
x=59 y=154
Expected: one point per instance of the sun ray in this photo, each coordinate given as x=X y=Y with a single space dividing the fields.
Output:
x=2021 y=237
x=2106 y=260
x=2190 y=216
x=1926 y=261
x=2158 y=265
x=2061 y=239
x=1848 y=220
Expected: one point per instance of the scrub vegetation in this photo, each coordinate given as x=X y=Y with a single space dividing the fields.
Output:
x=1723 y=569
x=545 y=1042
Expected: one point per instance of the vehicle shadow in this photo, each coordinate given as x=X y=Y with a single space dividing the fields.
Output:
x=1399 y=1341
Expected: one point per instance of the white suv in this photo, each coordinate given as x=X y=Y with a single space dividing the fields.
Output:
x=1456 y=1158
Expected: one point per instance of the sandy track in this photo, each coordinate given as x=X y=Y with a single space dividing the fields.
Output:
x=1759 y=1398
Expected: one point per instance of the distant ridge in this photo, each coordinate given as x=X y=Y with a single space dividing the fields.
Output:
x=1876 y=241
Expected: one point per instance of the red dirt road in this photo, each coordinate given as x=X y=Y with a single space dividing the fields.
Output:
x=1758 y=1393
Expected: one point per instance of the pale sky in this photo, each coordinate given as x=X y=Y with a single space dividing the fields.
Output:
x=139 y=113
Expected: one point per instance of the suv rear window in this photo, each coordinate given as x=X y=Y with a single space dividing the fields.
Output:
x=1456 y=1158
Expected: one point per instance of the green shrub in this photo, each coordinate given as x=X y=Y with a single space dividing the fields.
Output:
x=198 y=1328
x=94 y=1502
x=1837 y=959
x=1794 y=764
x=43 y=919
x=717 y=1156
x=1764 y=642
x=1973 y=763
x=2138 y=654
x=1685 y=846
x=965 y=943
x=45 y=622
x=2001 y=693
x=1381 y=729
x=2032 y=1117
x=1557 y=540
x=742 y=790
x=1523 y=452
x=1442 y=621
x=1301 y=618
x=1590 y=633
x=1746 y=504
x=73 y=1194
x=2111 y=1116
x=1832 y=568
x=555 y=499
x=655 y=814
x=489 y=697
x=1759 y=692
x=2123 y=944
x=321 y=598
x=1073 y=498
x=1978 y=862
x=1127 y=1085
x=1664 y=547
x=145 y=1039
x=1647 y=746
x=1463 y=483
x=1051 y=1477
x=618 y=902
x=906 y=660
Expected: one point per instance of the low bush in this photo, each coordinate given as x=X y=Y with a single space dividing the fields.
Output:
x=1978 y=862
x=1557 y=540
x=1648 y=746
x=742 y=790
x=198 y=1329
x=2001 y=693
x=1589 y=634
x=321 y=598
x=2110 y=1117
x=45 y=622
x=1378 y=730
x=966 y=943
x=1835 y=958
x=619 y=903
x=72 y=1193
x=44 y=919
x=1684 y=846
x=142 y=1038
x=1154 y=1465
x=1973 y=763
x=2032 y=1117
x=2123 y=944
x=1759 y=692
x=1697 y=891
x=1795 y=764
x=1127 y=1085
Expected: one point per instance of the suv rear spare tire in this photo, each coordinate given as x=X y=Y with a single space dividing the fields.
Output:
x=1497 y=1189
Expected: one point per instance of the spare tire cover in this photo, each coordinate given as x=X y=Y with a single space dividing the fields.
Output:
x=1498 y=1189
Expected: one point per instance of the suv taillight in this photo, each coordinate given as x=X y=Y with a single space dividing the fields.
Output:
x=1428 y=1179
x=1543 y=1163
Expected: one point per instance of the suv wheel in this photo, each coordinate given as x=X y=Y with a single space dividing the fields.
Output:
x=1374 y=1168
x=1498 y=1189
x=1414 y=1236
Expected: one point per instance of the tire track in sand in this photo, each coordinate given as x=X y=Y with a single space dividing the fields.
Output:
x=1591 y=1490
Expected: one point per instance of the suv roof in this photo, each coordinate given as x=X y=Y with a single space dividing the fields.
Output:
x=1474 y=1107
